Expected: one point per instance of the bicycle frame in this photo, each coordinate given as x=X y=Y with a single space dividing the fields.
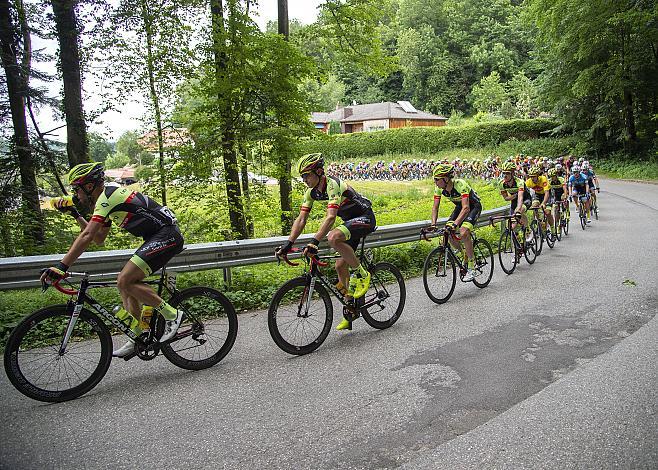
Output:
x=447 y=234
x=82 y=298
x=314 y=274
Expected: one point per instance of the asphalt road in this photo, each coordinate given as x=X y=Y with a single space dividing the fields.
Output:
x=551 y=367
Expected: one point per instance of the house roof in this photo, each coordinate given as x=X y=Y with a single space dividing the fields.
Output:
x=171 y=138
x=120 y=173
x=372 y=111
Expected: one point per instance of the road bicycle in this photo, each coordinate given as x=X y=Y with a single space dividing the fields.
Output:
x=563 y=217
x=63 y=351
x=582 y=212
x=594 y=206
x=514 y=242
x=301 y=312
x=539 y=225
x=441 y=265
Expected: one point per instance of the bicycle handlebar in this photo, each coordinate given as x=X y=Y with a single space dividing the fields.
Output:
x=314 y=258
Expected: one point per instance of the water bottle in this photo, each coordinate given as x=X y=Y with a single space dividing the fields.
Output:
x=66 y=201
x=145 y=320
x=127 y=319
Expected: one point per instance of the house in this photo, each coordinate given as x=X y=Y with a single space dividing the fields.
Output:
x=125 y=175
x=171 y=138
x=375 y=117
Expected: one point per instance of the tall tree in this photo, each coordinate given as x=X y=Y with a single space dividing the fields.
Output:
x=229 y=26
x=601 y=66
x=146 y=48
x=14 y=33
x=285 y=185
x=68 y=36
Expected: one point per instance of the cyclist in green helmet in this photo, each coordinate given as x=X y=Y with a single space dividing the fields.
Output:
x=466 y=212
x=139 y=215
x=358 y=221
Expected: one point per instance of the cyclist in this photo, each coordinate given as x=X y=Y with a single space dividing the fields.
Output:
x=514 y=190
x=579 y=188
x=466 y=212
x=358 y=221
x=558 y=187
x=539 y=184
x=142 y=217
x=592 y=180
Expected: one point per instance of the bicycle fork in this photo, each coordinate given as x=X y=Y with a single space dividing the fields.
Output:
x=77 y=308
x=306 y=302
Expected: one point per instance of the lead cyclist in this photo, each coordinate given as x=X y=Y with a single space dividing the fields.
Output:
x=139 y=215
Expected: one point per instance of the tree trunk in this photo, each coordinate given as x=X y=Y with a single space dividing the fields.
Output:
x=244 y=168
x=155 y=101
x=228 y=137
x=17 y=89
x=285 y=185
x=69 y=55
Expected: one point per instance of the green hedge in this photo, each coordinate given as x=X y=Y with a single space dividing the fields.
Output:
x=423 y=139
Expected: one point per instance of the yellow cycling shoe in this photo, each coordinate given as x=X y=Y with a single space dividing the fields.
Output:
x=359 y=284
x=344 y=325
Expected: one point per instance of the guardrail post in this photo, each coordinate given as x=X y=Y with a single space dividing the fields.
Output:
x=227 y=276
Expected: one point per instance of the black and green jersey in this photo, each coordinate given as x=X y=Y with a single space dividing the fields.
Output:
x=460 y=190
x=132 y=211
x=339 y=195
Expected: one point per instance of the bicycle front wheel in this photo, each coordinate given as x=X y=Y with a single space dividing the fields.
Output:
x=567 y=219
x=507 y=253
x=439 y=275
x=38 y=369
x=299 y=324
x=386 y=296
x=484 y=263
x=208 y=330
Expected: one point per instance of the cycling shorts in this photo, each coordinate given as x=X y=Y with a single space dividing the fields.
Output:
x=471 y=218
x=158 y=249
x=357 y=228
x=580 y=190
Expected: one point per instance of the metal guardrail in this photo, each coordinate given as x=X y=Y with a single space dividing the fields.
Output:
x=23 y=271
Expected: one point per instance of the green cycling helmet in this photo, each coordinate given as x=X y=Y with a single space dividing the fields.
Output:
x=310 y=162
x=92 y=172
x=443 y=169
x=552 y=173
x=534 y=171
x=508 y=166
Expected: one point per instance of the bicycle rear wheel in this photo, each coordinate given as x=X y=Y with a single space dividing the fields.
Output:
x=439 y=275
x=507 y=252
x=35 y=366
x=295 y=328
x=209 y=329
x=388 y=292
x=539 y=237
x=484 y=263
x=530 y=247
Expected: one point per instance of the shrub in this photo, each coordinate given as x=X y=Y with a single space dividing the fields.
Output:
x=423 y=139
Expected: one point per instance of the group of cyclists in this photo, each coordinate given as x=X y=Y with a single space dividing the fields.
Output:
x=523 y=182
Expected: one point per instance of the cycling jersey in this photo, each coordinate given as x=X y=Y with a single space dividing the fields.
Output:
x=514 y=186
x=540 y=187
x=578 y=182
x=460 y=190
x=132 y=211
x=339 y=195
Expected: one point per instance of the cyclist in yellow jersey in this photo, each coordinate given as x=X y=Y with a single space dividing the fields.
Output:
x=139 y=215
x=466 y=212
x=539 y=184
x=358 y=221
